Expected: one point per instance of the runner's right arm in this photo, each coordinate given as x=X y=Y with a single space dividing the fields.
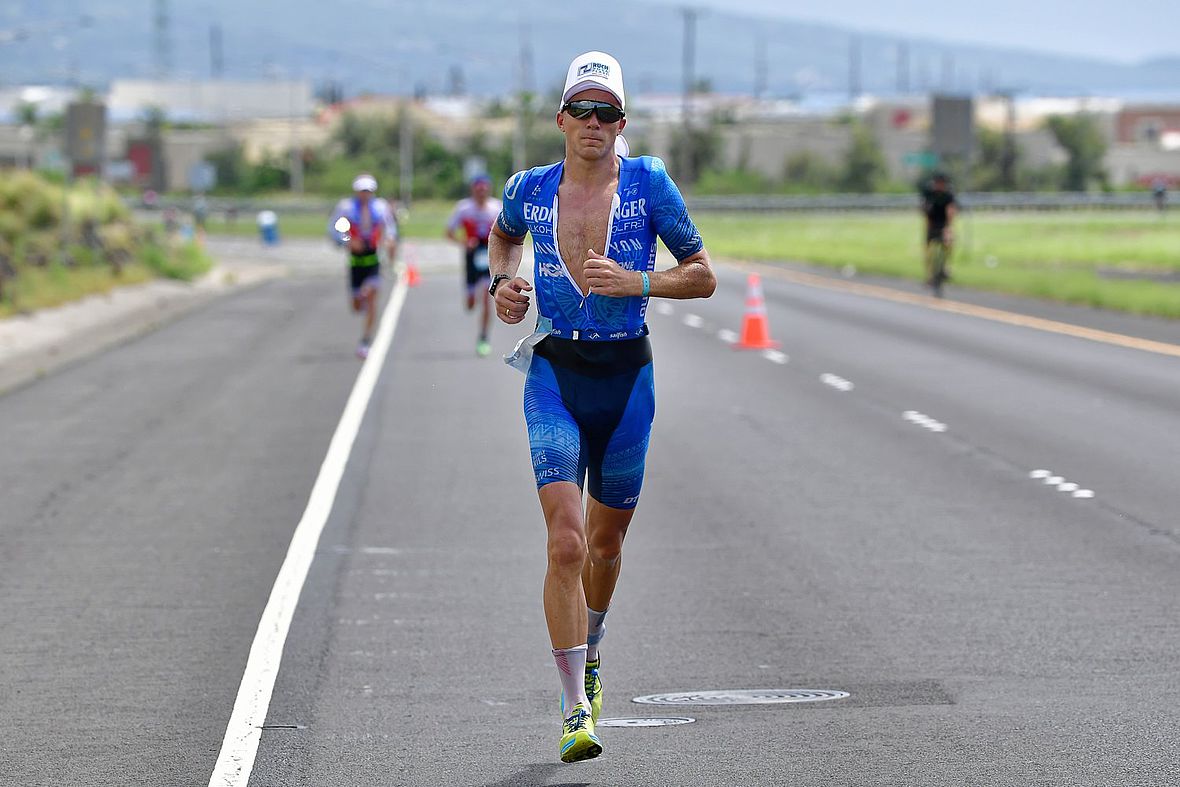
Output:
x=453 y=224
x=341 y=212
x=505 y=251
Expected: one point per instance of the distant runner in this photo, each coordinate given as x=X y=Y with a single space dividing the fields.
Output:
x=367 y=225
x=475 y=216
x=939 y=208
x=589 y=397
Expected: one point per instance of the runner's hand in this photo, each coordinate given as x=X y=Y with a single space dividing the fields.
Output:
x=511 y=302
x=607 y=277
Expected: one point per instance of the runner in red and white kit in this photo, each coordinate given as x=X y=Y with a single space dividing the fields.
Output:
x=476 y=215
x=366 y=224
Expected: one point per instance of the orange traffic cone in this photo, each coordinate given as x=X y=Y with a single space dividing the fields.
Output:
x=412 y=277
x=755 y=328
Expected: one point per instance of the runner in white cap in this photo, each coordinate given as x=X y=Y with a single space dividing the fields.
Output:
x=366 y=224
x=589 y=395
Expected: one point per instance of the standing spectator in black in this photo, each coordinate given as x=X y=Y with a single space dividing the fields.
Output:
x=939 y=208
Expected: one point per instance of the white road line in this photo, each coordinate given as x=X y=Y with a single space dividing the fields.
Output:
x=1049 y=478
x=727 y=336
x=923 y=420
x=664 y=308
x=775 y=356
x=837 y=382
x=693 y=321
x=240 y=745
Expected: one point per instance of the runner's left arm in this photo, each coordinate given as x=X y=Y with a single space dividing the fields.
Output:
x=693 y=275
x=389 y=230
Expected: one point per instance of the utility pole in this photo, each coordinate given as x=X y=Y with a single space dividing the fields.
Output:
x=216 y=61
x=854 y=68
x=689 y=58
x=406 y=154
x=760 y=67
x=524 y=104
x=903 y=68
x=296 y=147
x=1008 y=158
x=163 y=51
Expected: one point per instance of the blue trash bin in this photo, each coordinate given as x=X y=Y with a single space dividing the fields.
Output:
x=268 y=227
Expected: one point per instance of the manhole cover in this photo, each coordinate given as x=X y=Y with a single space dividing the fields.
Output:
x=742 y=697
x=669 y=721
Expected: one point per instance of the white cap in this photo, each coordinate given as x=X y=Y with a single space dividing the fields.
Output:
x=364 y=183
x=594 y=70
x=621 y=146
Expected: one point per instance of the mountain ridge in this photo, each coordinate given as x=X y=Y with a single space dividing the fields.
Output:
x=398 y=46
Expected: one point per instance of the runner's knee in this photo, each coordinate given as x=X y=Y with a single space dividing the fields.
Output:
x=606 y=545
x=567 y=548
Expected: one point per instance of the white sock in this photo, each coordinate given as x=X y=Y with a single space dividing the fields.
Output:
x=571 y=668
x=596 y=631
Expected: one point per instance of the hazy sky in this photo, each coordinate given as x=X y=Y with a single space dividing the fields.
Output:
x=1124 y=30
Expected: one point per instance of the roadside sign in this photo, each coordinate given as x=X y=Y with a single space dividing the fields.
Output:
x=952 y=132
x=923 y=159
x=86 y=128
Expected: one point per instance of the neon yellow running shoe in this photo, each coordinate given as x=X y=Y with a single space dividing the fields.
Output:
x=482 y=348
x=594 y=688
x=578 y=741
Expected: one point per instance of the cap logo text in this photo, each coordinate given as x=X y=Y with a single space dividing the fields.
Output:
x=594 y=70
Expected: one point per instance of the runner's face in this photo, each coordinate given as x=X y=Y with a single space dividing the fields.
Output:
x=364 y=196
x=480 y=190
x=590 y=138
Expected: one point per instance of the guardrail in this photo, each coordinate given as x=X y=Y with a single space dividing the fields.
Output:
x=984 y=200
x=994 y=200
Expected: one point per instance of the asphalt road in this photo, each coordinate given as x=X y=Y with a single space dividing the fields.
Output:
x=856 y=513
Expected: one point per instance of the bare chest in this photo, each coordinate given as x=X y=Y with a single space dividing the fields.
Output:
x=582 y=224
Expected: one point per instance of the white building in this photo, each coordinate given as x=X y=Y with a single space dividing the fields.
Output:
x=210 y=101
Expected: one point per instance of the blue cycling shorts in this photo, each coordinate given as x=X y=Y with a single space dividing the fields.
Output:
x=589 y=428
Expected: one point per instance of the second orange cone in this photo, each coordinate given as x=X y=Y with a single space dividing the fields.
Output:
x=755 y=326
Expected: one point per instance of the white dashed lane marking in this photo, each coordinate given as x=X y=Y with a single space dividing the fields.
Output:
x=923 y=420
x=1049 y=478
x=837 y=382
x=727 y=336
x=693 y=321
x=664 y=308
x=775 y=356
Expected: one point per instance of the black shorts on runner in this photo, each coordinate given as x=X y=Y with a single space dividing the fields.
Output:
x=359 y=275
x=476 y=264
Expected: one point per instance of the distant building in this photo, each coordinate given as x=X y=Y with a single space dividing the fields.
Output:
x=214 y=102
x=1151 y=125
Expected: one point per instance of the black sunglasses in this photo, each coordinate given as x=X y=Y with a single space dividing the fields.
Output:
x=607 y=113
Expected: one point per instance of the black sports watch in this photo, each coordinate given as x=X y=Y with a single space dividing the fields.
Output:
x=499 y=277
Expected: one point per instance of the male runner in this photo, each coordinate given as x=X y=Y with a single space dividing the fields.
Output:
x=366 y=224
x=588 y=395
x=476 y=215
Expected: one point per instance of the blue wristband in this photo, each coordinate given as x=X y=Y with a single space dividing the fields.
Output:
x=646 y=285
